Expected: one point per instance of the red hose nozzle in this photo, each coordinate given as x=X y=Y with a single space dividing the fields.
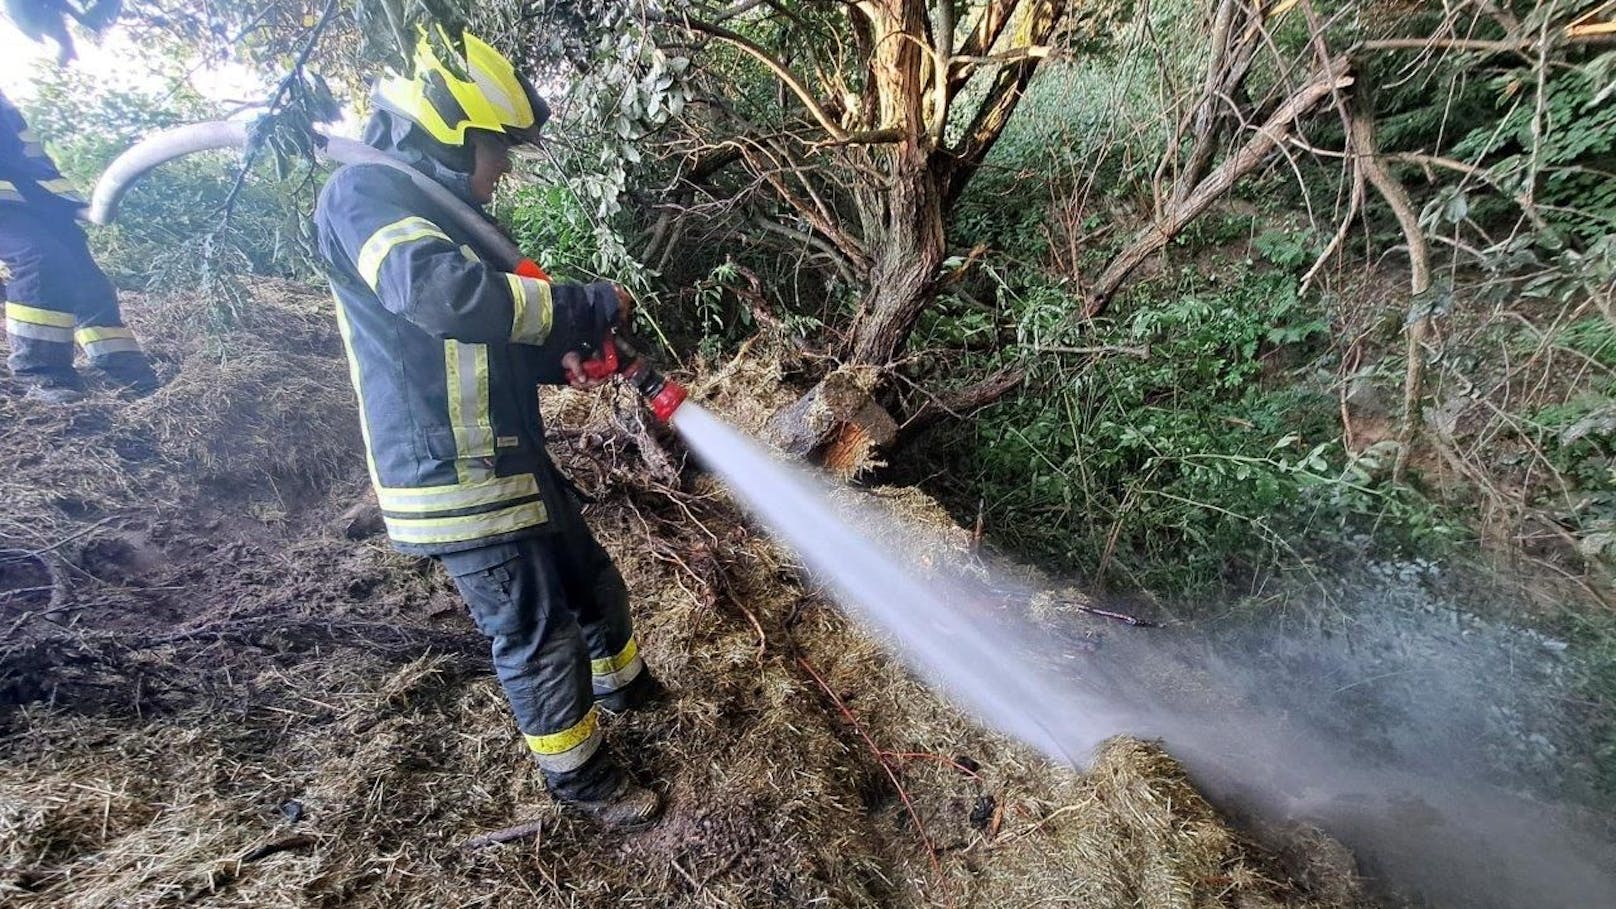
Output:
x=666 y=401
x=617 y=356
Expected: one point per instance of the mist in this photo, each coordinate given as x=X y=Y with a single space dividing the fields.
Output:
x=1383 y=732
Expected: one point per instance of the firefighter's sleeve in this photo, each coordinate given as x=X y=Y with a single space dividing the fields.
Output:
x=418 y=272
x=22 y=157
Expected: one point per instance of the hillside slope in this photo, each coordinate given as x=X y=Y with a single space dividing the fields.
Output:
x=210 y=696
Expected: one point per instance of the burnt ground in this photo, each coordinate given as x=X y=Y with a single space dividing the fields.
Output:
x=211 y=696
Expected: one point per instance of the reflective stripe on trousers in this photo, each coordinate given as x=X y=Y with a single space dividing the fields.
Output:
x=616 y=672
x=24 y=321
x=99 y=341
x=569 y=749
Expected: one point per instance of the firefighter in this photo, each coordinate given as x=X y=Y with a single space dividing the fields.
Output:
x=446 y=353
x=55 y=293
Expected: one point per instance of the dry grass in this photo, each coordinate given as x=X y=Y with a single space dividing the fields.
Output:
x=268 y=715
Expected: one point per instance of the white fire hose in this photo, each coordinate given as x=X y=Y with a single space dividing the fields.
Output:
x=155 y=150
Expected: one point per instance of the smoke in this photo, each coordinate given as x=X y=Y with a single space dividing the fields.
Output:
x=1383 y=731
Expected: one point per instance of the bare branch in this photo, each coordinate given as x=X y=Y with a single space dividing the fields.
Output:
x=943 y=51
x=961 y=402
x=1263 y=142
x=1367 y=156
x=984 y=34
x=1505 y=46
x=1009 y=85
x=838 y=259
x=780 y=70
x=1471 y=170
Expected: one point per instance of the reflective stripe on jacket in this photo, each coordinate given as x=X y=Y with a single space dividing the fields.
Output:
x=446 y=353
x=27 y=174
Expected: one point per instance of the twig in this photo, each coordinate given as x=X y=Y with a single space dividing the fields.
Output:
x=1117 y=616
x=284 y=844
x=689 y=878
x=1039 y=825
x=504 y=835
x=1142 y=353
x=25 y=554
x=286 y=85
x=882 y=757
x=938 y=758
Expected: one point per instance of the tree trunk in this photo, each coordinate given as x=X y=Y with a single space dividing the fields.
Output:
x=907 y=256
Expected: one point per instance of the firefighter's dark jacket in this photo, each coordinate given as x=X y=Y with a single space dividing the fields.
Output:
x=445 y=351
x=27 y=174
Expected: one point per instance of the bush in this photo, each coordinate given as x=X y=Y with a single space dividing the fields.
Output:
x=170 y=231
x=1190 y=444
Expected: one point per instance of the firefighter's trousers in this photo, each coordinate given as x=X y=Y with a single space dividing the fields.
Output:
x=57 y=295
x=556 y=611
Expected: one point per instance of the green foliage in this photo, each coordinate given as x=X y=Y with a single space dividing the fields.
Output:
x=1555 y=144
x=170 y=232
x=550 y=226
x=1190 y=444
x=619 y=88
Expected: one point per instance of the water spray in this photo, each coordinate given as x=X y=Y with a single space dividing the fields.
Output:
x=1455 y=839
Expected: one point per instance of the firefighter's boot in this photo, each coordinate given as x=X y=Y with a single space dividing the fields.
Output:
x=643 y=693
x=54 y=388
x=130 y=371
x=630 y=805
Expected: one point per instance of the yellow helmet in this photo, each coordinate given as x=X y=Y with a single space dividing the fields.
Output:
x=494 y=96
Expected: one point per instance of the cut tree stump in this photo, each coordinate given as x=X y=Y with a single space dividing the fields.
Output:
x=837 y=424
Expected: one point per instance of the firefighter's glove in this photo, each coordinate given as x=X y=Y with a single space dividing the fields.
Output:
x=610 y=307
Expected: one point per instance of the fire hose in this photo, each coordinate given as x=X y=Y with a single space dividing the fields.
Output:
x=613 y=356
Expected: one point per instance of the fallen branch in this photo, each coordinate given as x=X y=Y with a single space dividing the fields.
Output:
x=504 y=835
x=962 y=402
x=884 y=758
x=1108 y=614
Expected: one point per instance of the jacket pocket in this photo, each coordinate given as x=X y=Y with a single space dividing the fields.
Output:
x=490 y=580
